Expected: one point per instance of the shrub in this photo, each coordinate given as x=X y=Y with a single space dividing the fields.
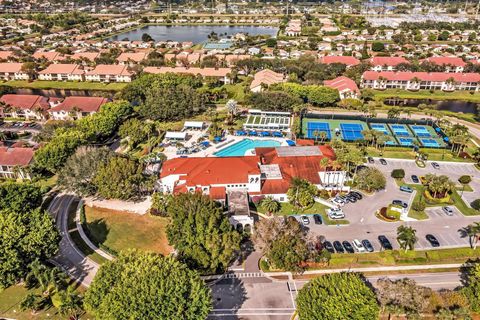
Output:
x=465 y=179
x=475 y=204
x=264 y=266
x=398 y=174
x=419 y=206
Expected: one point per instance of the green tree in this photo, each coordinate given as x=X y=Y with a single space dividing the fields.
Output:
x=337 y=296
x=406 y=237
x=32 y=302
x=146 y=285
x=80 y=169
x=301 y=193
x=71 y=304
x=146 y=37
x=439 y=186
x=471 y=287
x=398 y=173
x=160 y=203
x=273 y=100
x=270 y=205
x=378 y=46
x=24 y=238
x=289 y=249
x=201 y=233
x=119 y=178
x=20 y=198
x=370 y=179
x=135 y=131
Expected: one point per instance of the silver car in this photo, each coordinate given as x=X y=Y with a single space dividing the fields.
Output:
x=448 y=211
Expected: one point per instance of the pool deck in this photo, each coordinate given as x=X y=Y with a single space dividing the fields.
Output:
x=171 y=151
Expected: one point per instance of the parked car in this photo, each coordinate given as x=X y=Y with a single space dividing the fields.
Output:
x=385 y=243
x=351 y=198
x=448 y=211
x=328 y=246
x=400 y=203
x=317 y=219
x=435 y=165
x=356 y=194
x=370 y=160
x=368 y=246
x=305 y=220
x=415 y=179
x=383 y=161
x=406 y=189
x=338 y=201
x=357 y=244
x=335 y=214
x=338 y=247
x=348 y=247
x=433 y=240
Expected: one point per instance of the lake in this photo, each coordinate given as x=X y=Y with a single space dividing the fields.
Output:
x=449 y=105
x=196 y=34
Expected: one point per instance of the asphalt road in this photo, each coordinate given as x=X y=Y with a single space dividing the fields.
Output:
x=69 y=258
x=264 y=299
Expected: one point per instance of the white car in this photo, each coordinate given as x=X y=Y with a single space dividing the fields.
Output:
x=335 y=214
x=357 y=244
x=448 y=211
x=338 y=201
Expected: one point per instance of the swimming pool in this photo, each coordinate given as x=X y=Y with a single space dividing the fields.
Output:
x=241 y=147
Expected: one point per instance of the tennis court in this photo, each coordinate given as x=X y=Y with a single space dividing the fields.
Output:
x=430 y=143
x=400 y=130
x=351 y=131
x=406 y=141
x=380 y=127
x=313 y=127
x=421 y=131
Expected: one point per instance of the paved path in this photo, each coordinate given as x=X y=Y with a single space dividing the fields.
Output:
x=69 y=257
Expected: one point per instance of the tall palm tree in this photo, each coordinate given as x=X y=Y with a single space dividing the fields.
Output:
x=70 y=304
x=323 y=136
x=473 y=232
x=406 y=237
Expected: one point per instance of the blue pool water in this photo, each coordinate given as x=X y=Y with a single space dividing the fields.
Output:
x=239 y=148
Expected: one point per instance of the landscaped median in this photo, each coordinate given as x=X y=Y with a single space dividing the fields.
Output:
x=400 y=258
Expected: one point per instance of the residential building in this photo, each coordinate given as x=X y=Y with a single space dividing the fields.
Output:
x=109 y=73
x=12 y=71
x=293 y=28
x=73 y=107
x=131 y=57
x=14 y=162
x=220 y=73
x=421 y=80
x=347 y=88
x=265 y=78
x=28 y=106
x=349 y=61
x=451 y=64
x=386 y=63
x=62 y=72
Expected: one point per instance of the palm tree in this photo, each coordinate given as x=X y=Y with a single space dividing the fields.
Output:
x=473 y=232
x=70 y=304
x=324 y=165
x=270 y=205
x=323 y=136
x=316 y=134
x=406 y=237
x=3 y=136
x=31 y=302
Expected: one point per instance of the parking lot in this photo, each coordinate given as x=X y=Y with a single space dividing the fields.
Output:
x=364 y=225
x=20 y=126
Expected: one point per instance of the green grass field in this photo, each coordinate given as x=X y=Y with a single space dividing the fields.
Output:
x=400 y=257
x=119 y=230
x=65 y=85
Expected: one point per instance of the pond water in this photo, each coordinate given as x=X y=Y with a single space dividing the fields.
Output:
x=196 y=34
x=450 y=105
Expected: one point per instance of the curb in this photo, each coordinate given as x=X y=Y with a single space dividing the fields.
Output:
x=84 y=236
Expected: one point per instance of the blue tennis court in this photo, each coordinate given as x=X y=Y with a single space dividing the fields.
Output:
x=351 y=131
x=313 y=127
x=405 y=141
x=430 y=143
x=421 y=131
x=400 y=130
x=379 y=127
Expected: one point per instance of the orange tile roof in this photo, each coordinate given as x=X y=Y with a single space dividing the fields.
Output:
x=109 y=69
x=341 y=84
x=15 y=156
x=10 y=67
x=133 y=56
x=85 y=104
x=267 y=77
x=62 y=68
x=205 y=72
x=25 y=101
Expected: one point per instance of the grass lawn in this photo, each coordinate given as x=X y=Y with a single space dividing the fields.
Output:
x=287 y=209
x=408 y=153
x=236 y=91
x=426 y=94
x=400 y=257
x=67 y=85
x=119 y=230
x=462 y=206
x=11 y=297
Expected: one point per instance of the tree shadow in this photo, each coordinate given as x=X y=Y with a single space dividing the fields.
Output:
x=465 y=270
x=464 y=233
x=246 y=249
x=228 y=294
x=97 y=231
